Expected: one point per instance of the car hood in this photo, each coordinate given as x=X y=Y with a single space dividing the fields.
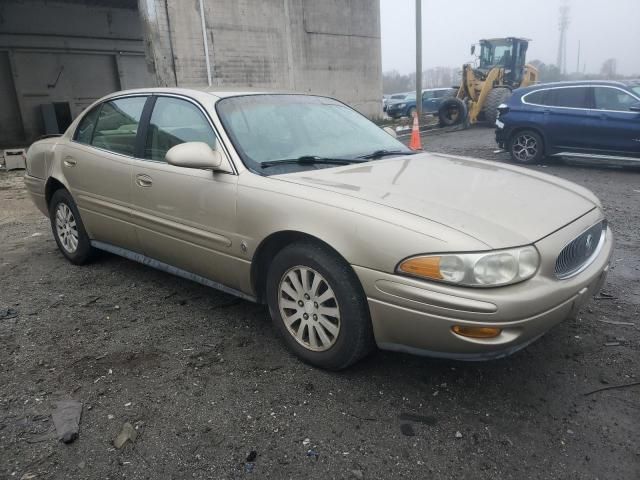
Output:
x=499 y=205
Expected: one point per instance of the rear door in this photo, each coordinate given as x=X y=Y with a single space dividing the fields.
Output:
x=185 y=217
x=567 y=114
x=97 y=165
x=615 y=129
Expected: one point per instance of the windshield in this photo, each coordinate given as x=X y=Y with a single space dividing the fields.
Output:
x=636 y=89
x=268 y=128
x=497 y=53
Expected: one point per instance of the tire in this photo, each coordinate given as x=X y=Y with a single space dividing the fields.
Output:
x=496 y=96
x=411 y=112
x=339 y=336
x=526 y=147
x=68 y=229
x=452 y=111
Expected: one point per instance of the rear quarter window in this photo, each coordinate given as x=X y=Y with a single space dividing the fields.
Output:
x=536 y=98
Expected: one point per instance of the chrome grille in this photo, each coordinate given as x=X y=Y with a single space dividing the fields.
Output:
x=578 y=254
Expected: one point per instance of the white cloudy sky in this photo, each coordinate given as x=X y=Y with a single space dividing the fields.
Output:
x=605 y=28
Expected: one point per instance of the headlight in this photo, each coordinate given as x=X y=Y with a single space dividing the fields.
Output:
x=401 y=105
x=487 y=269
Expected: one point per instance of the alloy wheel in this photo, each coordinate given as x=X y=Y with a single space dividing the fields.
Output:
x=525 y=148
x=66 y=228
x=309 y=308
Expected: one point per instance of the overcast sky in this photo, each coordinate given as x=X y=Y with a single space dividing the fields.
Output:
x=605 y=28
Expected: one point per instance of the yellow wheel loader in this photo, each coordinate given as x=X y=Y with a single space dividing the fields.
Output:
x=501 y=69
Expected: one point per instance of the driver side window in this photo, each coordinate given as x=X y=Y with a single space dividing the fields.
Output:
x=175 y=121
x=613 y=99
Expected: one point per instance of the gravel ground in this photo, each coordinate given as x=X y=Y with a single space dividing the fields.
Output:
x=213 y=393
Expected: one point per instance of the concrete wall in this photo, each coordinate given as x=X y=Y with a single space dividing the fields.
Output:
x=329 y=47
x=64 y=51
x=75 y=51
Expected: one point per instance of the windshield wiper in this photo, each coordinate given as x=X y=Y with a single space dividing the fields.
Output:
x=312 y=160
x=384 y=153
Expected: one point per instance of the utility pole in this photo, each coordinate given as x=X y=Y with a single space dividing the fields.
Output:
x=563 y=24
x=419 y=59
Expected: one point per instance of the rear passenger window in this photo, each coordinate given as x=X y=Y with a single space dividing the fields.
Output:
x=86 y=126
x=175 y=121
x=613 y=99
x=574 y=97
x=117 y=125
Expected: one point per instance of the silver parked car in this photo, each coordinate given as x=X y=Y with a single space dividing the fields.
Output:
x=300 y=202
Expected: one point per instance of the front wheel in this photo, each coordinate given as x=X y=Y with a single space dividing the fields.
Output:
x=526 y=147
x=317 y=304
x=411 y=113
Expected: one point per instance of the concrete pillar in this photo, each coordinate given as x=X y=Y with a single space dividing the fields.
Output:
x=156 y=29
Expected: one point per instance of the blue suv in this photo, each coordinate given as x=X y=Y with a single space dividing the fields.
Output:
x=598 y=120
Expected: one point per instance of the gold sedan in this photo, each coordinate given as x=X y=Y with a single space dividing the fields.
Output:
x=299 y=202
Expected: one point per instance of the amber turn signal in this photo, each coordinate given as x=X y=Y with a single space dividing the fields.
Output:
x=476 y=332
x=428 y=267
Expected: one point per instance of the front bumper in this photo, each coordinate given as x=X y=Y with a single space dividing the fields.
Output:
x=502 y=135
x=417 y=317
x=395 y=112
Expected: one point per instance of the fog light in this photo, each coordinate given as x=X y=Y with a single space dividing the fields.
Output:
x=476 y=332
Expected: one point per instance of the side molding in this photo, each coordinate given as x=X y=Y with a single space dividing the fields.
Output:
x=140 y=258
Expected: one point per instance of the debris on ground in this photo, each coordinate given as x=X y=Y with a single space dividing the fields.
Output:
x=7 y=313
x=612 y=387
x=411 y=417
x=252 y=456
x=407 y=430
x=458 y=434
x=613 y=322
x=313 y=453
x=357 y=474
x=605 y=296
x=127 y=434
x=66 y=418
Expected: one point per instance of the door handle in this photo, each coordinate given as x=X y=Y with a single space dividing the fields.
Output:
x=69 y=162
x=144 y=180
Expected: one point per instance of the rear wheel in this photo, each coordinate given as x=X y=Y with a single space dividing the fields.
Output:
x=318 y=306
x=526 y=146
x=68 y=229
x=496 y=97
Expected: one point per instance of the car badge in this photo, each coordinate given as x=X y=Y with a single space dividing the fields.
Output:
x=589 y=242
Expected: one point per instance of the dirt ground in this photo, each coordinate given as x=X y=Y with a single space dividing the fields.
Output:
x=213 y=393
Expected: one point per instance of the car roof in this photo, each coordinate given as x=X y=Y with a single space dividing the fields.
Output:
x=218 y=92
x=579 y=83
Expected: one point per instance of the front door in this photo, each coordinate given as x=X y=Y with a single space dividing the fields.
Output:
x=184 y=217
x=615 y=130
x=97 y=166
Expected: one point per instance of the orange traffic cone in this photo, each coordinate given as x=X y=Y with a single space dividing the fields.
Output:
x=415 y=135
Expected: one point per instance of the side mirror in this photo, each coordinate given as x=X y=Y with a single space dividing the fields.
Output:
x=473 y=49
x=635 y=107
x=391 y=132
x=194 y=155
